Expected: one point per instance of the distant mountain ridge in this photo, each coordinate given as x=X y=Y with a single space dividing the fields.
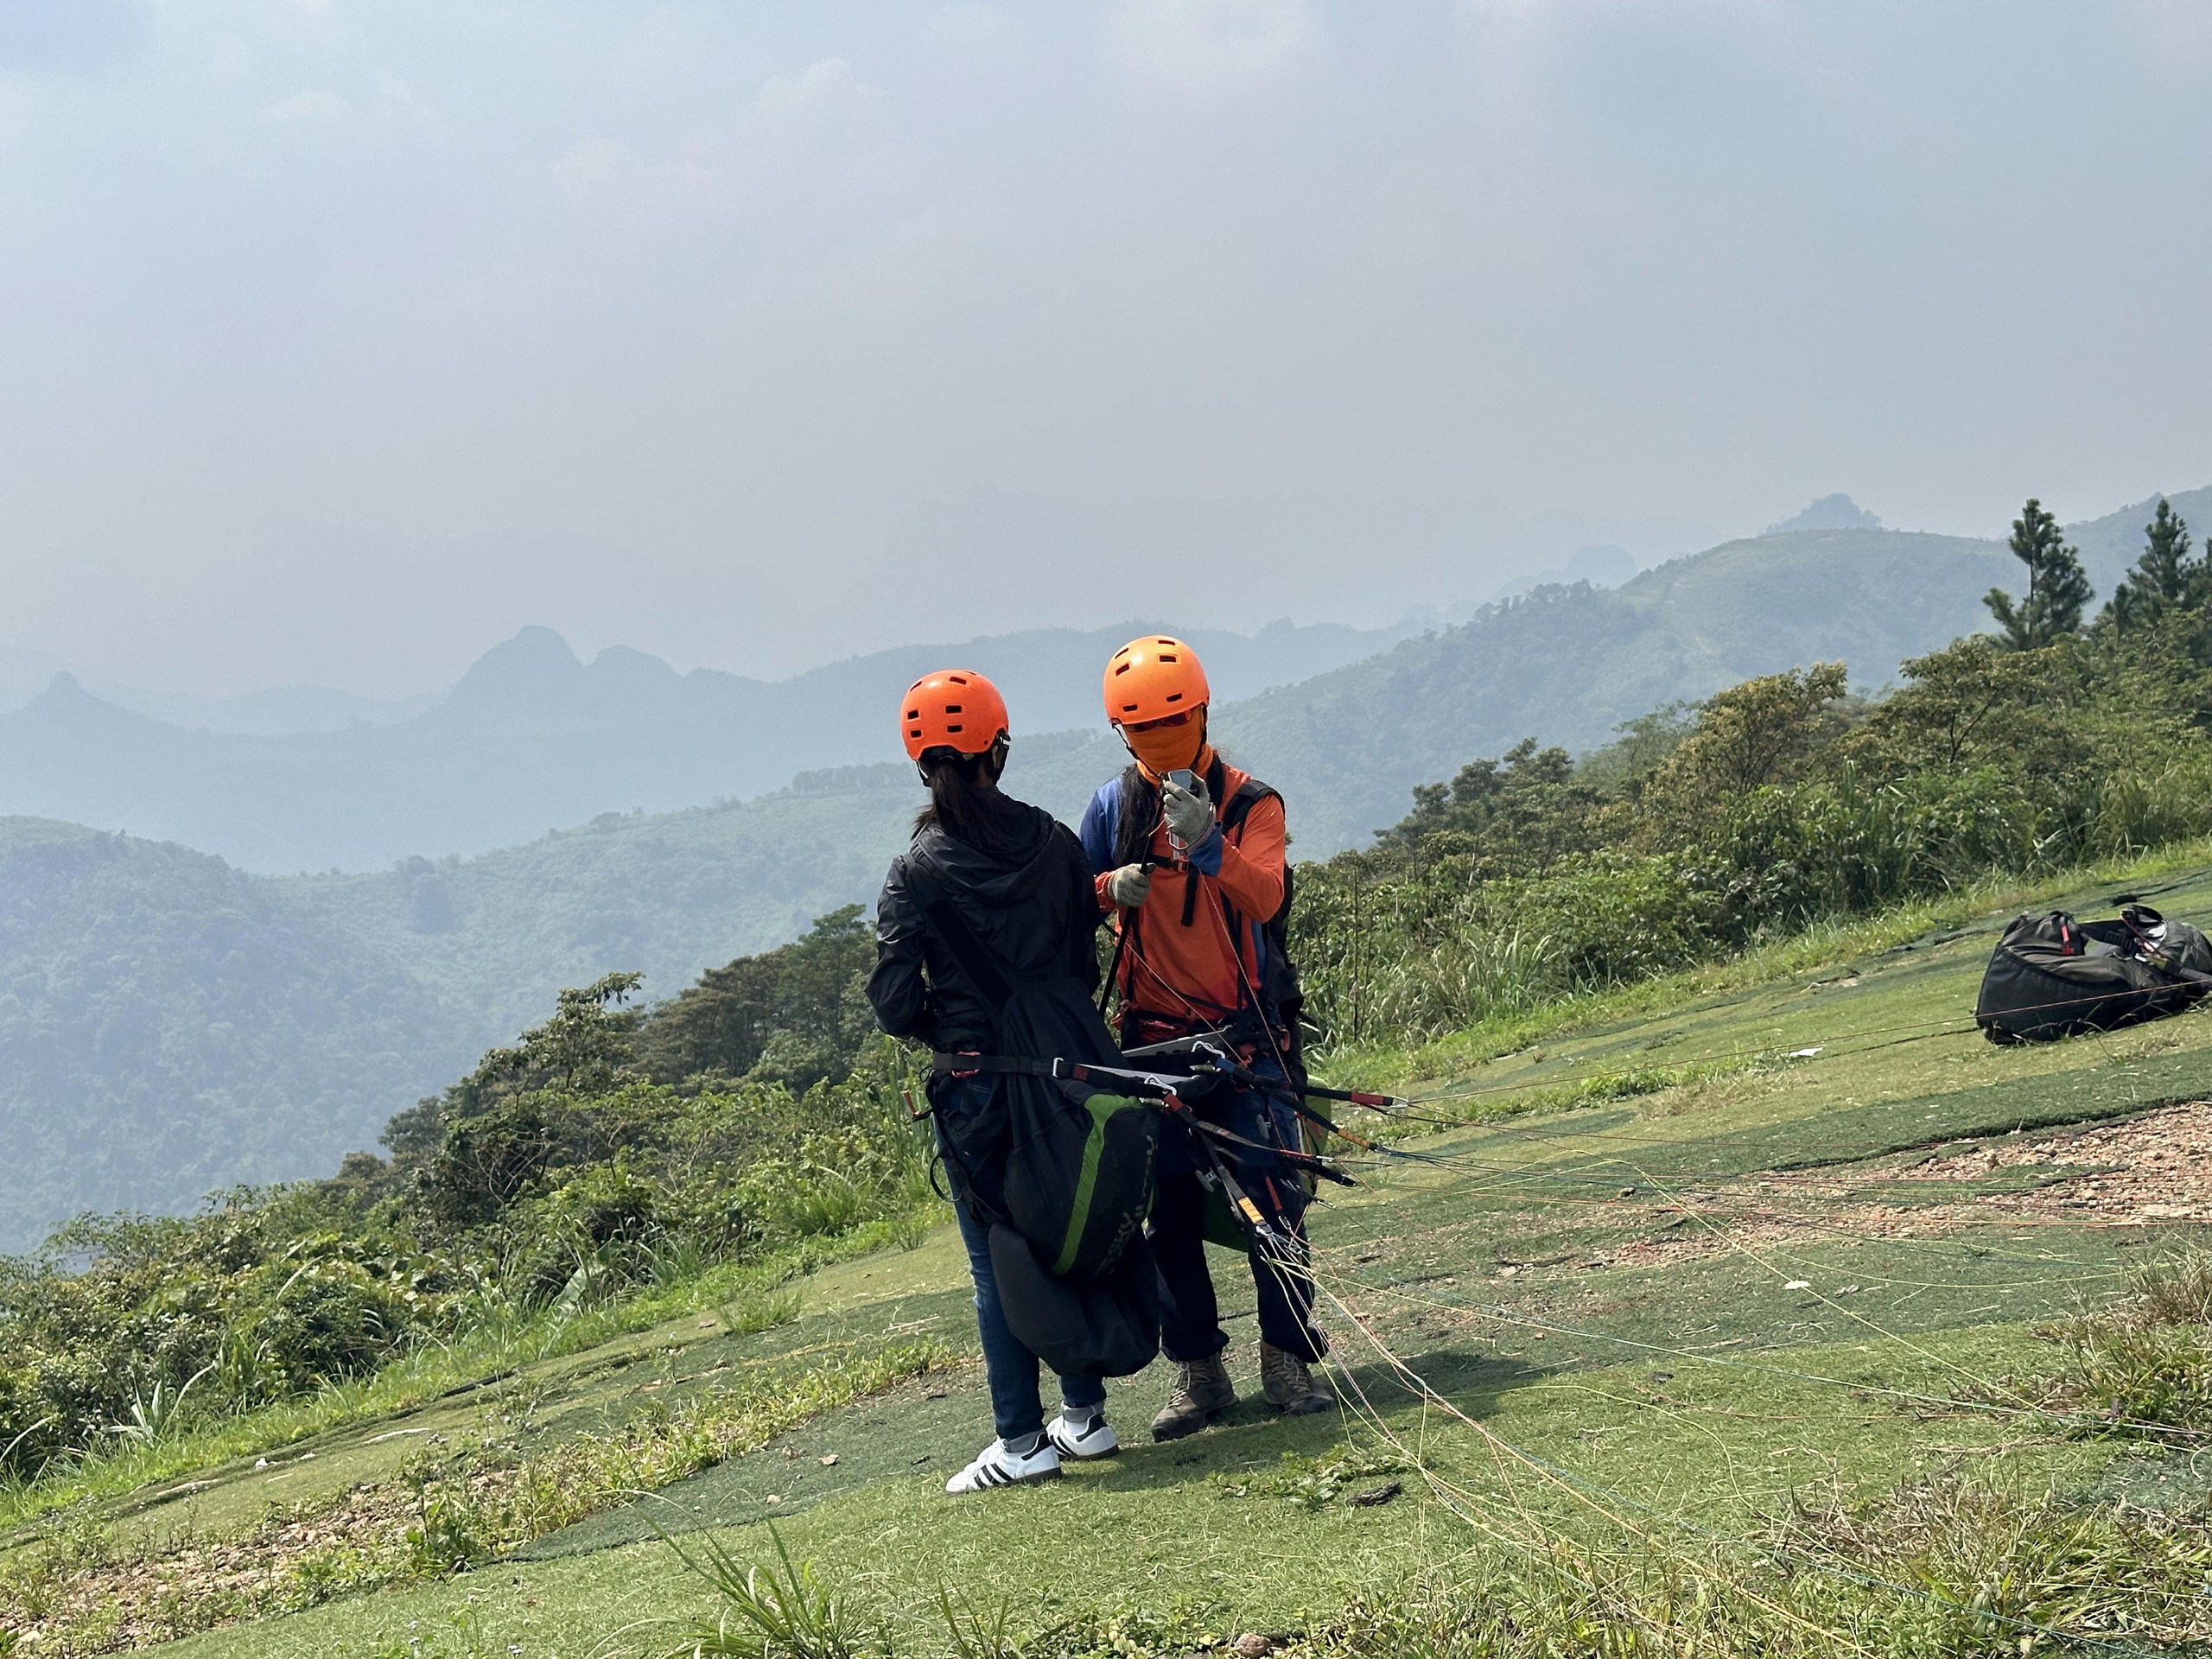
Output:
x=530 y=738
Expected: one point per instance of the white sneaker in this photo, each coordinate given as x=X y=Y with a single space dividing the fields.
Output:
x=1082 y=1438
x=999 y=1467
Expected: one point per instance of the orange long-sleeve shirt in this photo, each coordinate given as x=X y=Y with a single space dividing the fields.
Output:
x=1185 y=973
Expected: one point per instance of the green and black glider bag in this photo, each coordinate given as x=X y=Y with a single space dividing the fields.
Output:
x=1080 y=1161
x=1076 y=1282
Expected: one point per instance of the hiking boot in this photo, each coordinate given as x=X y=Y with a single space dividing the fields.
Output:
x=1203 y=1391
x=1288 y=1385
x=1001 y=1465
x=1083 y=1435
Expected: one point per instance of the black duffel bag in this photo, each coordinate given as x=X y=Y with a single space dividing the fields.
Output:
x=2052 y=977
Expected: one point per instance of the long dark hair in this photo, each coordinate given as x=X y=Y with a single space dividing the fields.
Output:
x=964 y=798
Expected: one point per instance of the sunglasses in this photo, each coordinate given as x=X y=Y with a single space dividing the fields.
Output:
x=1164 y=721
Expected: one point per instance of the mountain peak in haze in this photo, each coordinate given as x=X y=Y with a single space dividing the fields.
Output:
x=534 y=682
x=1837 y=512
x=534 y=652
x=65 y=700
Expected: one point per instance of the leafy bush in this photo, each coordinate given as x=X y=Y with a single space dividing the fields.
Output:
x=318 y=1311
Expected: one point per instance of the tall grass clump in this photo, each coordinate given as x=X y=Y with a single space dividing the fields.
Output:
x=782 y=1611
x=2140 y=1362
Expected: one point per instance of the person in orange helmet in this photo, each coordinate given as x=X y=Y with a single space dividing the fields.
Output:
x=1187 y=855
x=1017 y=881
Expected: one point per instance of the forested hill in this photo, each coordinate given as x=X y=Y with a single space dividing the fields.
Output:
x=1568 y=664
x=169 y=1026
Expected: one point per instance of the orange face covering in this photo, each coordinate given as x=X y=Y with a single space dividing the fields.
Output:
x=1163 y=749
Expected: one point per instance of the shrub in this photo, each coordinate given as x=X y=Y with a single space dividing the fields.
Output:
x=317 y=1314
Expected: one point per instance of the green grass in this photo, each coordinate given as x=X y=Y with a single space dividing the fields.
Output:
x=495 y=1349
x=1641 y=1352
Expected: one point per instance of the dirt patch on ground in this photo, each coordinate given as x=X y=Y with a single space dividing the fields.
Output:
x=2151 y=1170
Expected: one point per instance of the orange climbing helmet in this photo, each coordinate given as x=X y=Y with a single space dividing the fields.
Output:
x=1152 y=678
x=953 y=709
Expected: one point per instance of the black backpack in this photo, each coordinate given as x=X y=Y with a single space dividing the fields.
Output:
x=1280 y=991
x=2052 y=977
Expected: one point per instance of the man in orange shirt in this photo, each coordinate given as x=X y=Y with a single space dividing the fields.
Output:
x=1188 y=853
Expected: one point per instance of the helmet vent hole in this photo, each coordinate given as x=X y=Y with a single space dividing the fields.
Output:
x=953 y=727
x=951 y=707
x=1175 y=697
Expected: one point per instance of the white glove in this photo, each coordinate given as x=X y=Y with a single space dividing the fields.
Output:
x=1189 y=812
x=1131 y=886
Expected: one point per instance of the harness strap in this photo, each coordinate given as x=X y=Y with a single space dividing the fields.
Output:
x=1141 y=1084
x=1307 y=1161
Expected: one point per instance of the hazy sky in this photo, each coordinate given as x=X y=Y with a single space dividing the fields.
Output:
x=338 y=339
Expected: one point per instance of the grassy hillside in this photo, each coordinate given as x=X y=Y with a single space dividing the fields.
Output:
x=1735 y=1307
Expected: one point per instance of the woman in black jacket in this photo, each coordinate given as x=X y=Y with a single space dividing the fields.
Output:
x=1018 y=879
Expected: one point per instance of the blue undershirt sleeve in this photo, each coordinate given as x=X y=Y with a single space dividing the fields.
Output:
x=1101 y=819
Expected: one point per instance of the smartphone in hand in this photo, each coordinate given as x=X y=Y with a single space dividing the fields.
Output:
x=1184 y=779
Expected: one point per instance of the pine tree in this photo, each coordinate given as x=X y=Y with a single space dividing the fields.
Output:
x=2165 y=579
x=2058 y=586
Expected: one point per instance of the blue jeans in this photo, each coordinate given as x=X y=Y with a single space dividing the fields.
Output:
x=1011 y=1370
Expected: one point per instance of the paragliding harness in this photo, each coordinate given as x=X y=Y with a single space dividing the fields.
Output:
x=1265 y=1019
x=1066 y=1220
x=2052 y=977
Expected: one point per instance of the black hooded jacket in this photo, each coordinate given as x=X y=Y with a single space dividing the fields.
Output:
x=1027 y=897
